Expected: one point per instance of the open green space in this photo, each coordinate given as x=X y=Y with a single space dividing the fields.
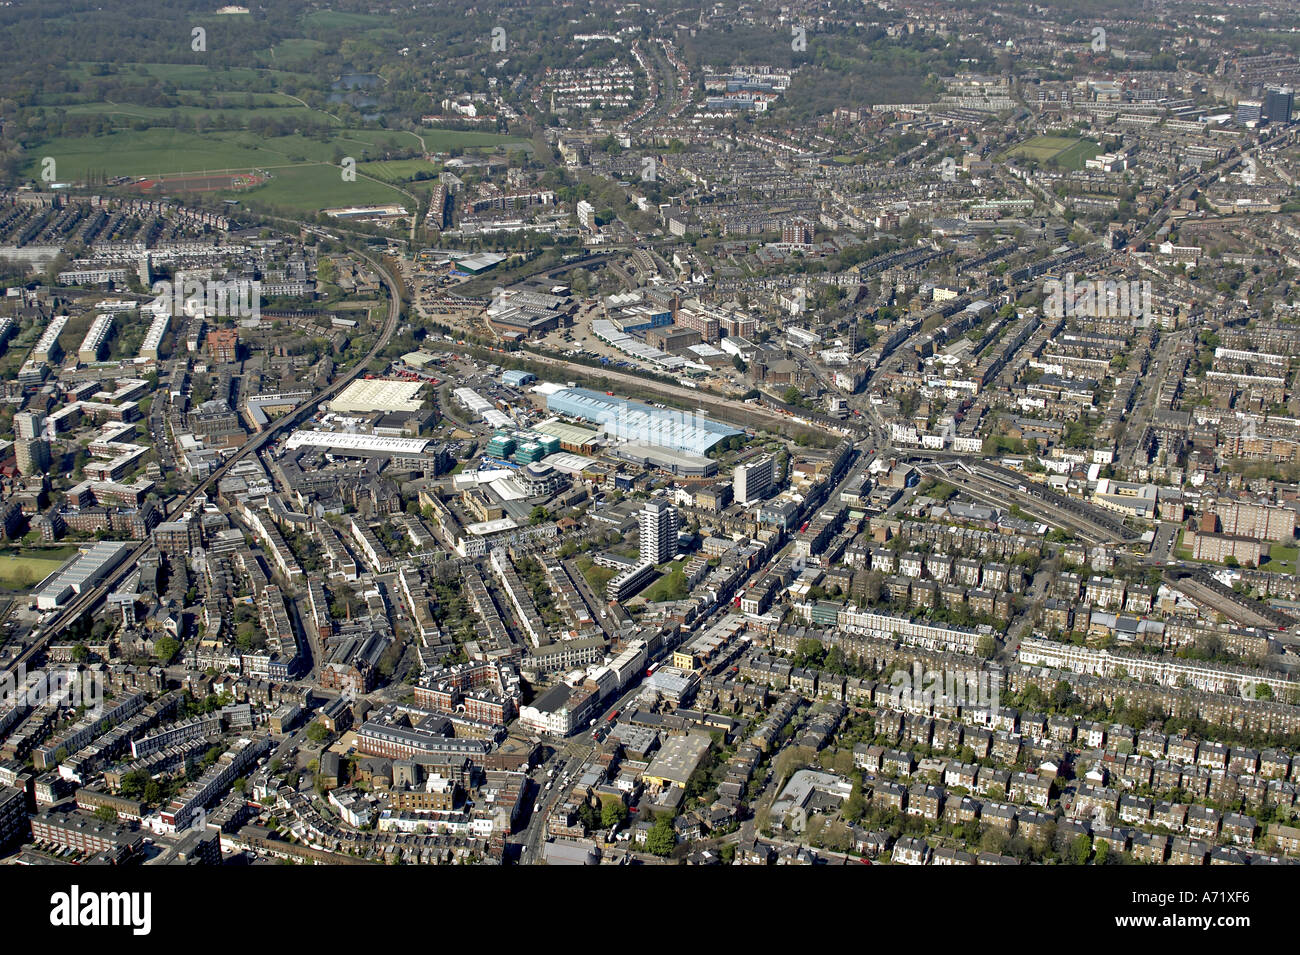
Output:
x=1078 y=154
x=670 y=586
x=1068 y=152
x=596 y=575
x=1281 y=560
x=192 y=76
x=398 y=170
x=333 y=20
x=152 y=152
x=440 y=140
x=286 y=110
x=21 y=572
x=163 y=151
x=296 y=53
x=309 y=189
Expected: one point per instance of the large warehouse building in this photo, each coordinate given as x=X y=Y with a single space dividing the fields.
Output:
x=421 y=454
x=82 y=573
x=378 y=394
x=632 y=421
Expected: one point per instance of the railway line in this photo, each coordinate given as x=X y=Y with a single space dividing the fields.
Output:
x=999 y=486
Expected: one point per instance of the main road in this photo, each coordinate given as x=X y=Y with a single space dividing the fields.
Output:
x=89 y=599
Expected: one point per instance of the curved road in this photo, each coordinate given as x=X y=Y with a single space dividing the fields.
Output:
x=90 y=598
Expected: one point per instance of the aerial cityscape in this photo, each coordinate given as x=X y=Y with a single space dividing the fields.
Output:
x=649 y=433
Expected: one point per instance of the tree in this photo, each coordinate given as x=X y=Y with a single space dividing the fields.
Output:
x=986 y=646
x=166 y=649
x=789 y=760
x=317 y=733
x=855 y=807
x=661 y=839
x=614 y=814
x=134 y=782
x=106 y=814
x=994 y=840
x=1080 y=850
x=1062 y=695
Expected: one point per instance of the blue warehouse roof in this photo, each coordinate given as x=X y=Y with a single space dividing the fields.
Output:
x=633 y=421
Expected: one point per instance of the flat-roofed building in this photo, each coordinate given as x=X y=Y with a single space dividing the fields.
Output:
x=47 y=348
x=753 y=480
x=572 y=437
x=93 y=344
x=378 y=394
x=85 y=834
x=677 y=761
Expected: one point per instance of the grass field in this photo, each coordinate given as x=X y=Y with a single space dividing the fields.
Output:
x=301 y=171
x=330 y=20
x=398 y=170
x=152 y=152
x=1281 y=560
x=316 y=187
x=1043 y=147
x=670 y=586
x=596 y=575
x=438 y=140
x=195 y=76
x=1074 y=157
x=296 y=53
x=1066 y=151
x=287 y=109
x=159 y=150
x=23 y=572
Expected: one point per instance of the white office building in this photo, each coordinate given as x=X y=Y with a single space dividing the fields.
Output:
x=753 y=481
x=660 y=523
